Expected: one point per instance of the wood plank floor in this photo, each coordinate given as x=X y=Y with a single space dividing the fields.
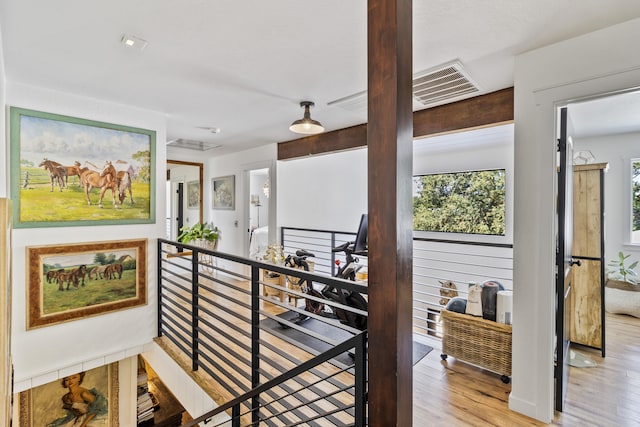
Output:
x=452 y=393
x=228 y=361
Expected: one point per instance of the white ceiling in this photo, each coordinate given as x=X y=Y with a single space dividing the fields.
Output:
x=244 y=66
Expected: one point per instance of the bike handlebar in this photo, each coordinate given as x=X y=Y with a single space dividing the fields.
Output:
x=342 y=248
x=304 y=253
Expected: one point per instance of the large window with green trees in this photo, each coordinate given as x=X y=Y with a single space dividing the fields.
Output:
x=460 y=202
x=635 y=202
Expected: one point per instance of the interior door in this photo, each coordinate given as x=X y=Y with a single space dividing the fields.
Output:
x=179 y=171
x=180 y=206
x=564 y=262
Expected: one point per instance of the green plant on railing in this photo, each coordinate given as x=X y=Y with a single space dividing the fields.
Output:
x=199 y=231
x=620 y=271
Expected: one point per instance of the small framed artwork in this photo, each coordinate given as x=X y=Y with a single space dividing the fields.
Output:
x=69 y=282
x=193 y=194
x=224 y=192
x=83 y=399
x=68 y=171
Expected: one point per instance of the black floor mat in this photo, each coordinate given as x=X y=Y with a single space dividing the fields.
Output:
x=328 y=330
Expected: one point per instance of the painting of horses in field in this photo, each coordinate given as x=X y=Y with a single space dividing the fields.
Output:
x=67 y=171
x=68 y=282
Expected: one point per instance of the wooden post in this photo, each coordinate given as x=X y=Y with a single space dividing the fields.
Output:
x=390 y=163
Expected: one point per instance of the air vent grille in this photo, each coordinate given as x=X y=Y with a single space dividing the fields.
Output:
x=446 y=82
x=192 y=144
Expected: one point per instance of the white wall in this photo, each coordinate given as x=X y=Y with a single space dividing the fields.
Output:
x=617 y=150
x=326 y=192
x=595 y=63
x=41 y=355
x=234 y=223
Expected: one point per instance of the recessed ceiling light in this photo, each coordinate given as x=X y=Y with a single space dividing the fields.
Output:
x=132 y=41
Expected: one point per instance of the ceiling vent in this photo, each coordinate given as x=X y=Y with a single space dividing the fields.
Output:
x=192 y=144
x=446 y=82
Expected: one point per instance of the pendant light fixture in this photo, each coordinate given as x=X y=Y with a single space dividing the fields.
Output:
x=306 y=125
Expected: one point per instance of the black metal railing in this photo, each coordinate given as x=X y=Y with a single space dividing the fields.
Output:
x=435 y=262
x=320 y=242
x=272 y=366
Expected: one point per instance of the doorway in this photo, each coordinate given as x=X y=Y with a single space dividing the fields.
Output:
x=184 y=196
x=605 y=143
x=259 y=218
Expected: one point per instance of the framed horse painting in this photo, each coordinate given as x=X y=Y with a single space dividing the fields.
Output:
x=70 y=282
x=68 y=171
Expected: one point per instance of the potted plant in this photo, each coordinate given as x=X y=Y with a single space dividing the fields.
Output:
x=200 y=234
x=620 y=272
x=622 y=292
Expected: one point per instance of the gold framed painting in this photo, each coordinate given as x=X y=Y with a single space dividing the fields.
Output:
x=69 y=282
x=68 y=171
x=82 y=399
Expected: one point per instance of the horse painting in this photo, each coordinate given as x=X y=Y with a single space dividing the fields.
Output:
x=106 y=180
x=57 y=173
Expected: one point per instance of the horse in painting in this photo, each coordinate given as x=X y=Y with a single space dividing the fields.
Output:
x=98 y=271
x=57 y=173
x=72 y=277
x=105 y=180
x=52 y=275
x=124 y=184
x=112 y=270
x=70 y=171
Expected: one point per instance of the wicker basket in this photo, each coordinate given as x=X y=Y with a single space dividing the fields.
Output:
x=477 y=341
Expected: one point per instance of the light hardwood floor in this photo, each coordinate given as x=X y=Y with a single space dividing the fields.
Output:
x=453 y=393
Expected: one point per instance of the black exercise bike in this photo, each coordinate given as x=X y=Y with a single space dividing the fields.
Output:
x=341 y=296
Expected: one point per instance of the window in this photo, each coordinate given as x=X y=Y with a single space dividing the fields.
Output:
x=635 y=202
x=460 y=202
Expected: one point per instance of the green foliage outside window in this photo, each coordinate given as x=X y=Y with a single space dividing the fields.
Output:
x=461 y=202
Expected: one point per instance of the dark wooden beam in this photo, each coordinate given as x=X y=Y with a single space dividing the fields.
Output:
x=337 y=140
x=390 y=158
x=483 y=110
